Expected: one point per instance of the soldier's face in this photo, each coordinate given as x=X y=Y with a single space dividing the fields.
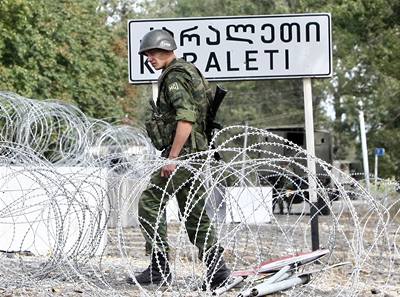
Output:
x=159 y=59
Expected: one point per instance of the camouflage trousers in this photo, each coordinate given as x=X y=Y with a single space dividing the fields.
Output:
x=190 y=194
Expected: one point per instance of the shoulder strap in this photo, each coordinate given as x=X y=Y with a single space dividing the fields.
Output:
x=163 y=75
x=178 y=67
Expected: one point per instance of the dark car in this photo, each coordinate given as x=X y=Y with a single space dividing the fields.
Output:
x=288 y=177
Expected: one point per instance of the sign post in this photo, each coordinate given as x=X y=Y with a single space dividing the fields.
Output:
x=249 y=48
x=379 y=152
x=364 y=146
x=310 y=143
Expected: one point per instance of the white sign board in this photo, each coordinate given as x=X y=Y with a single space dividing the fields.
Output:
x=242 y=47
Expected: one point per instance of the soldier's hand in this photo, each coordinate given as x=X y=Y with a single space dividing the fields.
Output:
x=167 y=170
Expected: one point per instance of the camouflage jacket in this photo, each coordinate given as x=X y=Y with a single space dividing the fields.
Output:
x=183 y=95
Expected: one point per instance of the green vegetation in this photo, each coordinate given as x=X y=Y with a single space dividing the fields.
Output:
x=67 y=50
x=61 y=50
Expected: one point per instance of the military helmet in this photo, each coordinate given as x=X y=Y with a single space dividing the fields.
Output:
x=159 y=39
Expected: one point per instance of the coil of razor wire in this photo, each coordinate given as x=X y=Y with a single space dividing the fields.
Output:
x=70 y=185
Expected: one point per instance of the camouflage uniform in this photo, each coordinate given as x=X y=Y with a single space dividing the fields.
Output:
x=182 y=97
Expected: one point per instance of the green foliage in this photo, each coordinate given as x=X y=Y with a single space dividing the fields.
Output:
x=62 y=50
x=366 y=39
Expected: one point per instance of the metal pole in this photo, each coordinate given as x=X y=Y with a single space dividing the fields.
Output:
x=376 y=170
x=309 y=126
x=244 y=154
x=262 y=290
x=154 y=87
x=364 y=146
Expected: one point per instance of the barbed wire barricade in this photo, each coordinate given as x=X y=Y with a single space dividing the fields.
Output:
x=69 y=190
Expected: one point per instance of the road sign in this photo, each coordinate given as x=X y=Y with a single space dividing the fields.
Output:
x=379 y=151
x=242 y=47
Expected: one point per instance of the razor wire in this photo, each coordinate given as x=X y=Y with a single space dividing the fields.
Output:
x=69 y=190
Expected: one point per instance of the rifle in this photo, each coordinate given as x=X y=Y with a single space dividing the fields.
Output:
x=211 y=124
x=216 y=102
x=212 y=112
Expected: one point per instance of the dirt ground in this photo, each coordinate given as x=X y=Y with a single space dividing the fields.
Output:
x=359 y=234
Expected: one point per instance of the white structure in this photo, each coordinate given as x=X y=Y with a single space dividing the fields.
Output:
x=124 y=193
x=45 y=210
x=250 y=205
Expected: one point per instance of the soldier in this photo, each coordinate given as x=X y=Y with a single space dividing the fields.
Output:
x=177 y=127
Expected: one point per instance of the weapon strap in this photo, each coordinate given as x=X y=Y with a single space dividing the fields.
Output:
x=179 y=68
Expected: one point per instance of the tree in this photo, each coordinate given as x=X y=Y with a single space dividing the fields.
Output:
x=366 y=41
x=61 y=50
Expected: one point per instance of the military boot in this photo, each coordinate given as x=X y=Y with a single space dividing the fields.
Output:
x=157 y=273
x=217 y=271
